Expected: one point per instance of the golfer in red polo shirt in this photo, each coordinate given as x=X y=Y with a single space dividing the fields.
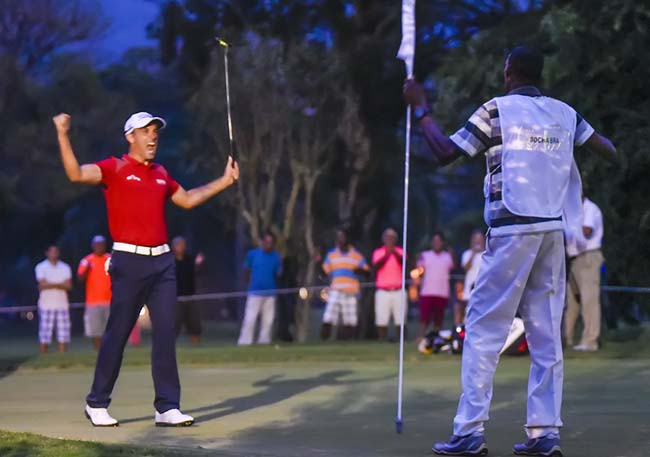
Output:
x=142 y=266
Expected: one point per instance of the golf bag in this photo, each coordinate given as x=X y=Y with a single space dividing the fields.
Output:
x=451 y=341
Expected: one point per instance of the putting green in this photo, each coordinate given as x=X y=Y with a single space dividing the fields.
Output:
x=311 y=400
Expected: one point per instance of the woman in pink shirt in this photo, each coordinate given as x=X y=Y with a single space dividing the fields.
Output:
x=434 y=266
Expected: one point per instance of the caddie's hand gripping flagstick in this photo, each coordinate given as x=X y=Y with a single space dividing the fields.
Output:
x=226 y=46
x=406 y=53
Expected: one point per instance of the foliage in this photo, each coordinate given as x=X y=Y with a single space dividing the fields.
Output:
x=362 y=37
x=295 y=121
x=41 y=76
x=318 y=113
x=592 y=63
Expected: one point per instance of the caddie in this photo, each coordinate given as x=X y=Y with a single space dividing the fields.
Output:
x=528 y=140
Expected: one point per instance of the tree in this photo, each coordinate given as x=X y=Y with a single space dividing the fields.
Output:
x=593 y=63
x=296 y=119
x=365 y=35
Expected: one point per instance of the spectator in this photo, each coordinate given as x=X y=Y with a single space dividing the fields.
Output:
x=434 y=266
x=586 y=259
x=342 y=264
x=387 y=263
x=471 y=262
x=262 y=268
x=93 y=271
x=54 y=281
x=135 y=336
x=189 y=312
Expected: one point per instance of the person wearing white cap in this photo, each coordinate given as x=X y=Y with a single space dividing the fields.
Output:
x=92 y=272
x=142 y=265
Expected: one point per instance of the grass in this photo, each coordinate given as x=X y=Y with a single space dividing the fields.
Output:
x=611 y=389
x=32 y=445
x=214 y=352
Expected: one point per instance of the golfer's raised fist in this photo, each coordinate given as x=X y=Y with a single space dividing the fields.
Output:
x=62 y=122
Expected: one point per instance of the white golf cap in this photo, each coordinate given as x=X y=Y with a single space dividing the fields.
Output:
x=141 y=119
x=98 y=239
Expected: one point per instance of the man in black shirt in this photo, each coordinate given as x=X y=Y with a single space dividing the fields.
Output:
x=189 y=313
x=287 y=302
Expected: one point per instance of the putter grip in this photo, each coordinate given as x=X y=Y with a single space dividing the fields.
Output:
x=233 y=152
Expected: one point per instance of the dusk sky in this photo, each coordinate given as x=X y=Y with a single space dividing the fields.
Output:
x=129 y=19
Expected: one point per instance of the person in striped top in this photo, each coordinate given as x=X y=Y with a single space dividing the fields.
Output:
x=481 y=134
x=531 y=184
x=342 y=265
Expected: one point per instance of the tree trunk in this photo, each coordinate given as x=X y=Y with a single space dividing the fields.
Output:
x=303 y=308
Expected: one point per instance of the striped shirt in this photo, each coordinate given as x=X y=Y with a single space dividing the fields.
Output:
x=340 y=266
x=482 y=133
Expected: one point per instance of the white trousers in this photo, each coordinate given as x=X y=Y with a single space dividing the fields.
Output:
x=524 y=273
x=387 y=304
x=256 y=305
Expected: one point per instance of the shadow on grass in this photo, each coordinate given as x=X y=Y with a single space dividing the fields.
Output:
x=10 y=364
x=275 y=390
x=621 y=335
x=598 y=405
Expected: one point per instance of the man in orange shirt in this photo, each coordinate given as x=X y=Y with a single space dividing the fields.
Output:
x=93 y=271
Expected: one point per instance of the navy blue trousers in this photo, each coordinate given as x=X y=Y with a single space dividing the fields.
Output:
x=138 y=280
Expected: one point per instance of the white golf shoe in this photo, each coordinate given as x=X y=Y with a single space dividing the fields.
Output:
x=99 y=417
x=173 y=418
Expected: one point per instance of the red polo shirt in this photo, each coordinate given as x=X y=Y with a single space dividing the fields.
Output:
x=135 y=200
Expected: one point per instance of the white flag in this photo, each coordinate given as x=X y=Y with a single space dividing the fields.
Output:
x=407 y=49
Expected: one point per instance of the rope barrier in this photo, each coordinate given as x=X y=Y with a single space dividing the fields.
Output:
x=290 y=290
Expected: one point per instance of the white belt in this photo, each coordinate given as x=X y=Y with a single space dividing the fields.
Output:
x=141 y=250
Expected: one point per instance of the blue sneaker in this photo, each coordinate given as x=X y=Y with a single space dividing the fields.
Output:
x=547 y=446
x=462 y=445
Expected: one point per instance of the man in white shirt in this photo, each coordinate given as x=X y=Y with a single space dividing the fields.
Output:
x=54 y=279
x=586 y=258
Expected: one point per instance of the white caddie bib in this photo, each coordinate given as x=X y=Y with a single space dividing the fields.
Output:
x=538 y=136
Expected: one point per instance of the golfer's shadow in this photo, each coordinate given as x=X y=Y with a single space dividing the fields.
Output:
x=275 y=391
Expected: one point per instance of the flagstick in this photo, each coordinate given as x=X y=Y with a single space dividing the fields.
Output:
x=407 y=54
x=400 y=379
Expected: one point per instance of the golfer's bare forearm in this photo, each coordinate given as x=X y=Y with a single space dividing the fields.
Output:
x=70 y=163
x=441 y=146
x=88 y=174
x=194 y=197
